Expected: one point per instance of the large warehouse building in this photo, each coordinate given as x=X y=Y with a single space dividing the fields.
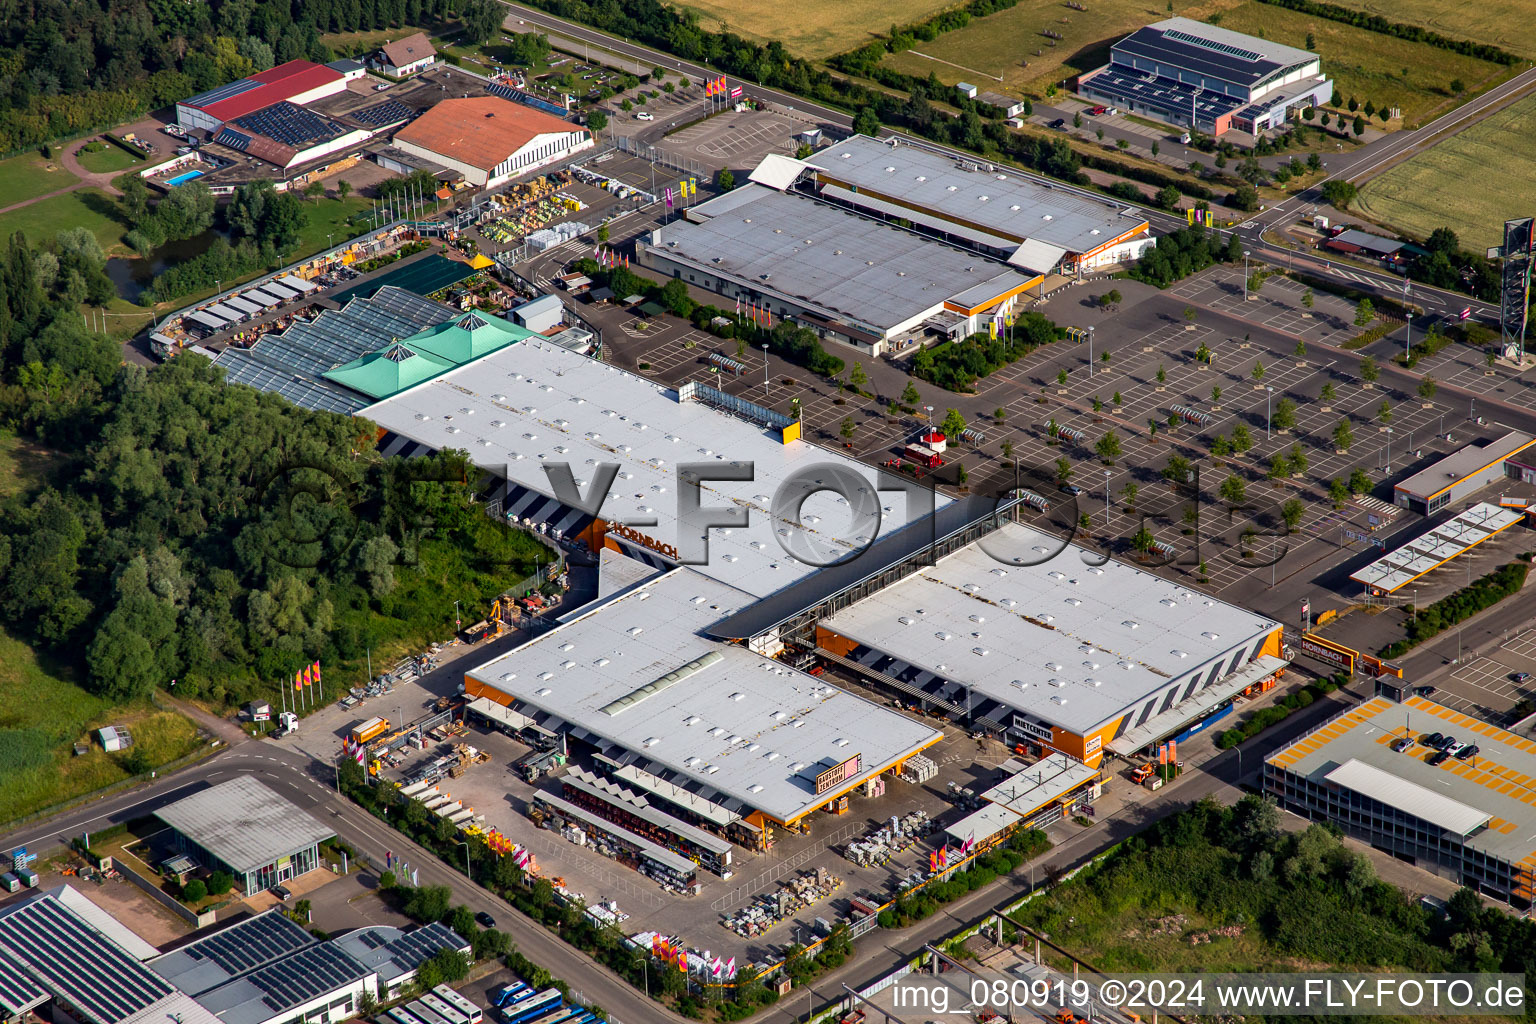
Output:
x=1212 y=79
x=1469 y=818
x=1039 y=228
x=490 y=140
x=1061 y=655
x=525 y=408
x=296 y=82
x=851 y=279
x=1461 y=474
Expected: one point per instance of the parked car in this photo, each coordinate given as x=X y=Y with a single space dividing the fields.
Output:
x=485 y=920
x=1438 y=757
x=1059 y=124
x=1096 y=111
x=1071 y=489
x=1425 y=691
x=1520 y=677
x=1455 y=749
x=1432 y=740
x=1470 y=750
x=643 y=116
x=281 y=892
x=1446 y=741
x=1398 y=746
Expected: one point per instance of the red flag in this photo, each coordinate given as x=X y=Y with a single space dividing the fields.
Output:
x=682 y=960
x=1162 y=754
x=1173 y=751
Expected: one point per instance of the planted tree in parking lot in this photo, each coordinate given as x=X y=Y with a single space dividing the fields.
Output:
x=1233 y=490
x=1063 y=470
x=1338 y=492
x=1285 y=414
x=1327 y=392
x=1108 y=447
x=1241 y=439
x=1061 y=377
x=1291 y=512
x=1298 y=459
x=953 y=425
x=847 y=429
x=1343 y=437
x=909 y=395
x=1384 y=412
x=1427 y=388
x=1306 y=296
x=1279 y=466
x=1162 y=374
x=1258 y=371
x=1216 y=395
x=1365 y=312
x=1359 y=483
x=1128 y=494
x=1221 y=447
x=1368 y=370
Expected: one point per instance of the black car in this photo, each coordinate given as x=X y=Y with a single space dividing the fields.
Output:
x=281 y=892
x=1425 y=691
x=1445 y=741
x=1438 y=757
x=486 y=920
x=1432 y=740
x=1520 y=677
x=1059 y=123
x=1470 y=750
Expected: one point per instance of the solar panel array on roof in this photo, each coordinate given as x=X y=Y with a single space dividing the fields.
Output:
x=223 y=92
x=18 y=993
x=291 y=125
x=413 y=948
x=506 y=92
x=306 y=976
x=234 y=140
x=388 y=112
x=251 y=943
x=77 y=963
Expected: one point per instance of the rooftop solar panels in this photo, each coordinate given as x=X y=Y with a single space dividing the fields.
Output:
x=251 y=943
x=388 y=112
x=290 y=124
x=305 y=976
x=77 y=963
x=234 y=140
x=18 y=993
x=506 y=92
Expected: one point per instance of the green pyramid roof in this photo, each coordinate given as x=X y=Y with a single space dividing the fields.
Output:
x=389 y=370
x=468 y=337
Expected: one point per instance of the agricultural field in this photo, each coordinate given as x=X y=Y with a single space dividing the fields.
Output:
x=28 y=176
x=1367 y=65
x=814 y=29
x=1498 y=153
x=1506 y=26
x=1370 y=66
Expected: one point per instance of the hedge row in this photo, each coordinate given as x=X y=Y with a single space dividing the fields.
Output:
x=1279 y=711
x=1483 y=593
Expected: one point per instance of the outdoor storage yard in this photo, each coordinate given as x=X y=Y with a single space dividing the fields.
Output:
x=1498 y=153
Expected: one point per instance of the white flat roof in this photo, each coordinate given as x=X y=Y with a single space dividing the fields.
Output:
x=1075 y=644
x=1420 y=801
x=738 y=724
x=1392 y=572
x=1462 y=463
x=1002 y=200
x=534 y=403
x=981 y=825
x=1050 y=778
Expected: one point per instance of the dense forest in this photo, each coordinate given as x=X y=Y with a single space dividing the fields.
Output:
x=213 y=534
x=68 y=67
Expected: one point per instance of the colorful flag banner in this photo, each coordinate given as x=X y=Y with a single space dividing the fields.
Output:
x=736 y=93
x=682 y=960
x=298 y=681
x=317 y=671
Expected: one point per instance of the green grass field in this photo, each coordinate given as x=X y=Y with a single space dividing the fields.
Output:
x=1471 y=182
x=86 y=207
x=1508 y=26
x=813 y=29
x=1364 y=64
x=1368 y=65
x=28 y=176
x=109 y=159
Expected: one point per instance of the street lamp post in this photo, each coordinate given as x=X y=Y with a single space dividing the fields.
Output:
x=645 y=970
x=467 y=873
x=1106 y=499
x=1245 y=275
x=765 y=370
x=1389 y=449
x=1269 y=394
x=1407 y=321
x=457 y=622
x=929 y=410
x=1090 y=351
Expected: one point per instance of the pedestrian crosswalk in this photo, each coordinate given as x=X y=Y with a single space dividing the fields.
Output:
x=1378 y=506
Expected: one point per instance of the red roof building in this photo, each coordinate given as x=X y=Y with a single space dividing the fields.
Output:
x=298 y=81
x=490 y=140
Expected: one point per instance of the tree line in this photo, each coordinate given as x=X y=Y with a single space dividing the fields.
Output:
x=1412 y=33
x=207 y=533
